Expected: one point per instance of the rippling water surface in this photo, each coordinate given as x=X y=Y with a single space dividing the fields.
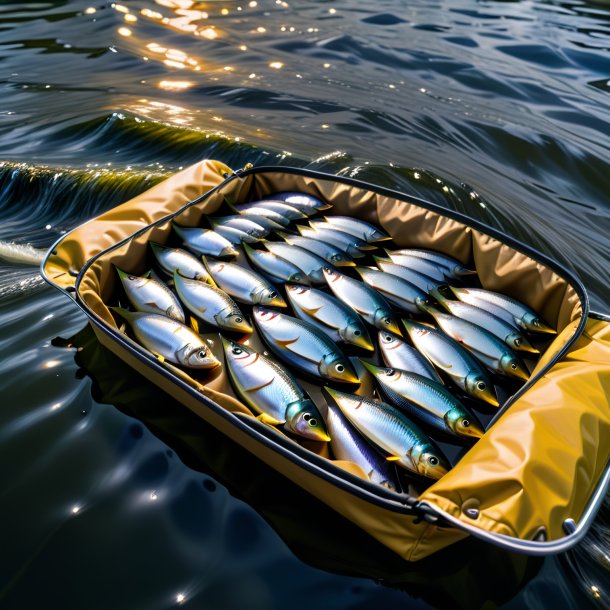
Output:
x=112 y=496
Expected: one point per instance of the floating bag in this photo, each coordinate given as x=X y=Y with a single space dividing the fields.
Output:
x=532 y=483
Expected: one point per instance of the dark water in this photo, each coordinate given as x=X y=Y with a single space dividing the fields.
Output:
x=115 y=497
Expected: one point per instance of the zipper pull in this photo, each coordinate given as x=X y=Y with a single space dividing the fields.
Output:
x=237 y=172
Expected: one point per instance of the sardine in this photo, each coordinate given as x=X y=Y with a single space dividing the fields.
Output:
x=330 y=315
x=149 y=296
x=363 y=300
x=394 y=432
x=402 y=294
x=308 y=204
x=507 y=332
x=421 y=265
x=258 y=211
x=279 y=207
x=246 y=225
x=205 y=241
x=348 y=444
x=308 y=262
x=520 y=314
x=423 y=282
x=303 y=346
x=170 y=259
x=350 y=244
x=359 y=228
x=276 y=267
x=331 y=254
x=490 y=350
x=235 y=236
x=449 y=356
x=173 y=341
x=397 y=354
x=244 y=285
x=426 y=400
x=455 y=269
x=268 y=389
x=210 y=304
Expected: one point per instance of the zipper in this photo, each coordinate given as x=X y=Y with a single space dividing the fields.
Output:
x=313 y=463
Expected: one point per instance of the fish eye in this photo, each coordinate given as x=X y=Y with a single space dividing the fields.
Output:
x=465 y=423
x=390 y=372
x=238 y=319
x=513 y=366
x=313 y=422
x=481 y=386
x=273 y=294
x=307 y=417
x=297 y=277
x=536 y=322
x=387 y=338
x=433 y=461
x=131 y=277
x=335 y=258
x=201 y=354
x=517 y=342
x=339 y=368
x=357 y=333
x=387 y=321
x=237 y=351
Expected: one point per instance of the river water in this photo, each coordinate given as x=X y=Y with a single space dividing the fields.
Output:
x=113 y=496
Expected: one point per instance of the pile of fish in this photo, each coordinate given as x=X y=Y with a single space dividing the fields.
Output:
x=434 y=346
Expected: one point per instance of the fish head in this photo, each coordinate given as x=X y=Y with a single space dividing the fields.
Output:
x=536 y=324
x=299 y=278
x=339 y=368
x=356 y=334
x=428 y=460
x=199 y=357
x=513 y=367
x=238 y=355
x=519 y=342
x=174 y=312
x=383 y=319
x=480 y=387
x=234 y=321
x=304 y=419
x=268 y=295
x=134 y=281
x=330 y=275
x=228 y=251
x=340 y=259
x=463 y=424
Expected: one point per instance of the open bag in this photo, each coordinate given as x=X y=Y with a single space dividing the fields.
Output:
x=532 y=483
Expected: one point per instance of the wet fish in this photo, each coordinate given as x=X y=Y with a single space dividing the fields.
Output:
x=205 y=241
x=421 y=265
x=302 y=345
x=331 y=254
x=308 y=204
x=330 y=315
x=449 y=356
x=173 y=341
x=348 y=444
x=394 y=432
x=507 y=332
x=170 y=259
x=246 y=225
x=234 y=235
x=279 y=207
x=351 y=245
x=426 y=400
x=210 y=304
x=268 y=389
x=266 y=213
x=264 y=222
x=402 y=294
x=363 y=300
x=521 y=314
x=423 y=282
x=397 y=354
x=276 y=267
x=244 y=285
x=359 y=228
x=490 y=350
x=149 y=296
x=308 y=262
x=455 y=269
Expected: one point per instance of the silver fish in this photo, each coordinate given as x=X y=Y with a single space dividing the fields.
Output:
x=310 y=263
x=247 y=225
x=455 y=269
x=496 y=326
x=243 y=284
x=279 y=207
x=210 y=304
x=402 y=294
x=521 y=314
x=258 y=212
x=423 y=282
x=149 y=296
x=205 y=241
x=397 y=354
x=272 y=392
x=344 y=241
x=490 y=350
x=359 y=228
x=264 y=222
x=393 y=432
x=235 y=236
x=276 y=267
x=170 y=259
x=169 y=339
x=349 y=445
x=330 y=315
x=426 y=400
x=363 y=300
x=421 y=265
x=331 y=254
x=308 y=204
x=302 y=345
x=449 y=356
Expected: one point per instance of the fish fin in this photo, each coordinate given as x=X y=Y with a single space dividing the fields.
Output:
x=194 y=324
x=147 y=274
x=311 y=311
x=151 y=304
x=287 y=342
x=393 y=458
x=265 y=418
x=159 y=357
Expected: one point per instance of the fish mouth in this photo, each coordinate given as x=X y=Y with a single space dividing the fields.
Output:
x=544 y=330
x=519 y=373
x=394 y=328
x=382 y=238
x=371 y=368
x=229 y=251
x=347 y=377
x=364 y=343
x=278 y=302
x=345 y=264
x=489 y=398
x=367 y=247
x=527 y=348
x=466 y=273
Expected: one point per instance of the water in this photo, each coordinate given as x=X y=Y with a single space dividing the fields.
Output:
x=113 y=496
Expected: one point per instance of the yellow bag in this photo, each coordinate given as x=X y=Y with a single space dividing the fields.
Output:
x=532 y=483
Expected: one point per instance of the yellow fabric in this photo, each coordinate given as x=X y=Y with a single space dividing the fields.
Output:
x=535 y=467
